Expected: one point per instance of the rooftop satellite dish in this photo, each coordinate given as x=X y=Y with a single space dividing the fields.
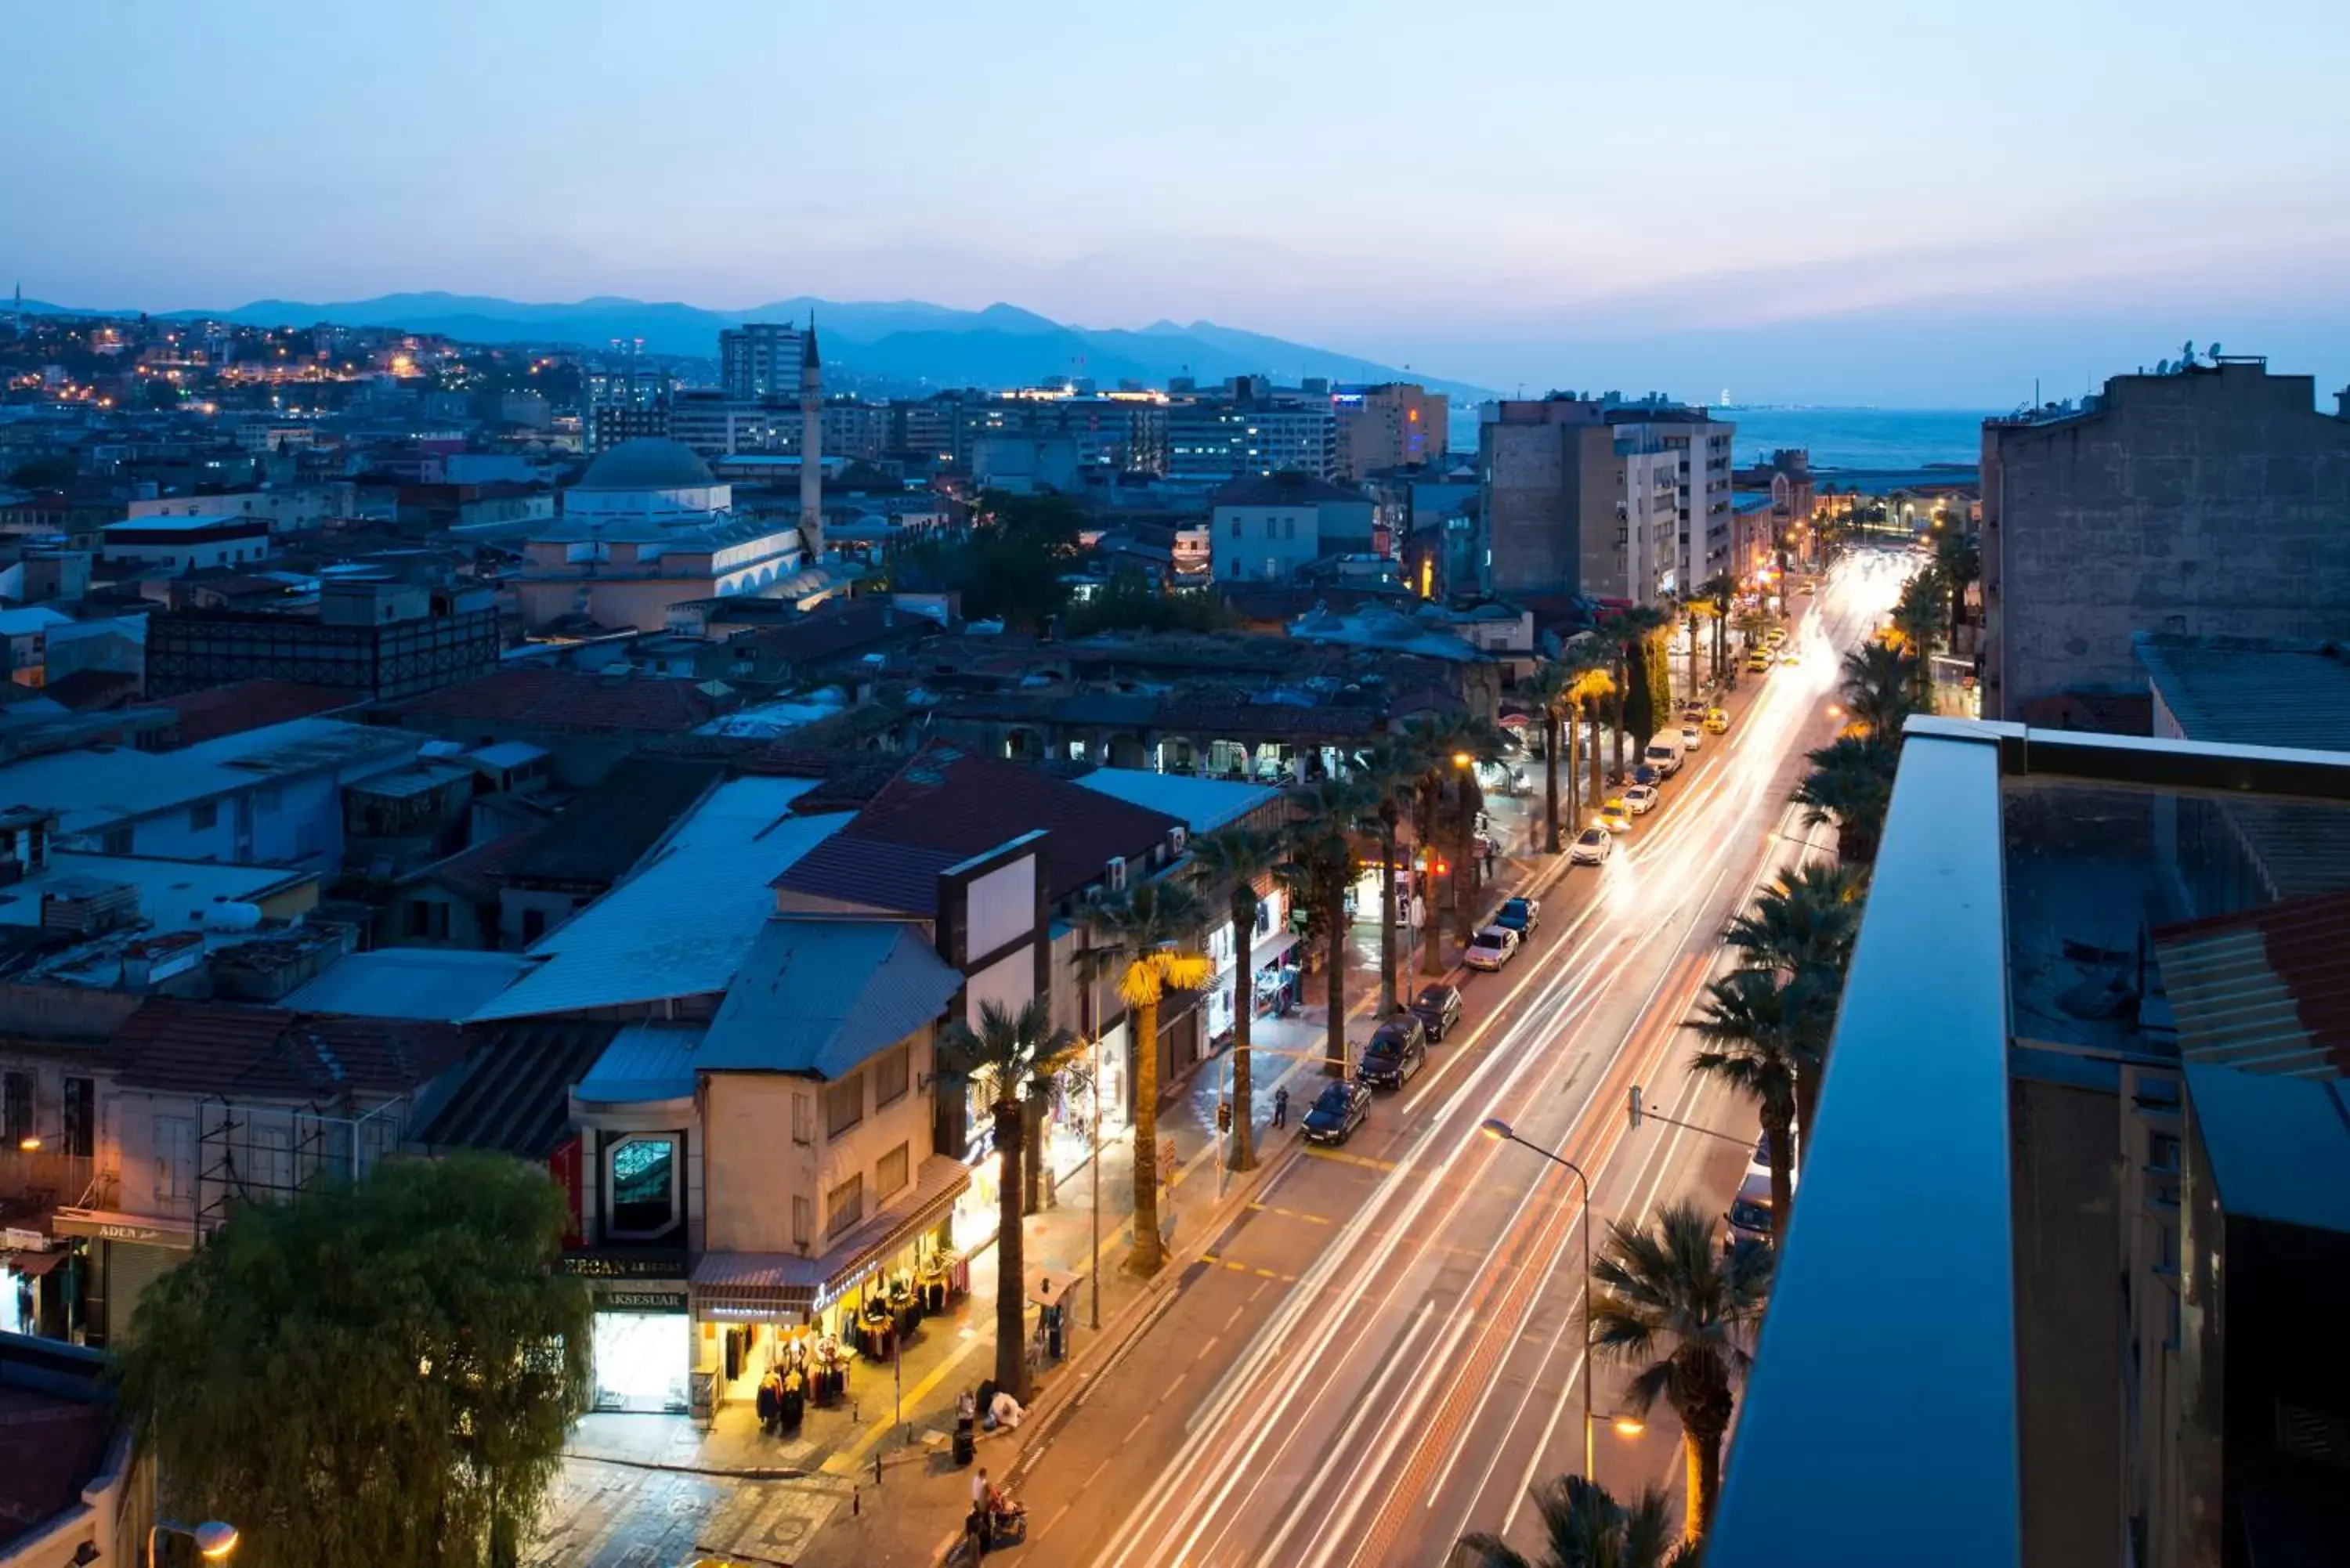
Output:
x=2162 y=367
x=2187 y=357
x=2214 y=352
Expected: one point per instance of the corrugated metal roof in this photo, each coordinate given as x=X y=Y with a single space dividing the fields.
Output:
x=444 y=983
x=683 y=924
x=644 y=1061
x=91 y=788
x=2266 y=990
x=2252 y=691
x=1203 y=804
x=2279 y=1146
x=821 y=996
x=515 y=1094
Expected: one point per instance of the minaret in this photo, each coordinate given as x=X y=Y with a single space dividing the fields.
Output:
x=811 y=446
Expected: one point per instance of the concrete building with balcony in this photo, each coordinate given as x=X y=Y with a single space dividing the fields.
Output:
x=383 y=640
x=2211 y=500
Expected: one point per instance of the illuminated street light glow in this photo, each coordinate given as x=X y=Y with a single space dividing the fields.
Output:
x=1497 y=1129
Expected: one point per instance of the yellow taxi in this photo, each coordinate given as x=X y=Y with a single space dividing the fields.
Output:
x=1717 y=722
x=1614 y=817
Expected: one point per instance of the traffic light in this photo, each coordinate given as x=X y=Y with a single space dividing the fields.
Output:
x=1633 y=1107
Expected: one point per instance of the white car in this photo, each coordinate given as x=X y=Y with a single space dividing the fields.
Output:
x=1592 y=846
x=1641 y=799
x=1494 y=946
x=1692 y=736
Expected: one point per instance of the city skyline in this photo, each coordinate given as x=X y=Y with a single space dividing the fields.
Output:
x=1836 y=210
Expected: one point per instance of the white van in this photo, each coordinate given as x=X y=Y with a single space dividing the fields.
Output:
x=1664 y=755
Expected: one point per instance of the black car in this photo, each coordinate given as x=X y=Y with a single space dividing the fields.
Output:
x=1438 y=1008
x=1337 y=1111
x=1521 y=915
x=1399 y=1050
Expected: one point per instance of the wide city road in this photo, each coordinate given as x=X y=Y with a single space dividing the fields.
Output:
x=1383 y=1351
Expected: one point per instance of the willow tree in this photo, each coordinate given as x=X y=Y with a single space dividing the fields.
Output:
x=380 y=1371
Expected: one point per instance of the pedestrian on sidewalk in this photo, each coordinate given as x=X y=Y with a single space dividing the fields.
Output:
x=1281 y=1107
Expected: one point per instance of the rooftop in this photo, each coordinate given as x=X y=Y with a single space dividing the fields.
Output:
x=173 y=895
x=274 y=1052
x=819 y=996
x=101 y=785
x=430 y=983
x=571 y=699
x=1286 y=489
x=2279 y=1146
x=648 y=462
x=682 y=925
x=1204 y=805
x=615 y=822
x=512 y=1092
x=650 y=1060
x=2251 y=691
x=56 y=1422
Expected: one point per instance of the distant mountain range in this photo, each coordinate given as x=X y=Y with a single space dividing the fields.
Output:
x=901 y=343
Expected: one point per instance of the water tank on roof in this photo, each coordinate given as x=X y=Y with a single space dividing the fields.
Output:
x=227 y=915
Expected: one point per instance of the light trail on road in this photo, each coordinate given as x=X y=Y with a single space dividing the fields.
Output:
x=1337 y=1435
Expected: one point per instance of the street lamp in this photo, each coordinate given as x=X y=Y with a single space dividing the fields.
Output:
x=1500 y=1131
x=214 y=1540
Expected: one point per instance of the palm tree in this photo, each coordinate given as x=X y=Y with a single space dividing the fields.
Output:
x=1143 y=933
x=1013 y=1056
x=1448 y=749
x=1851 y=785
x=1804 y=922
x=1584 y=697
x=1389 y=773
x=1918 y=620
x=1959 y=555
x=1718 y=594
x=1584 y=1527
x=1876 y=683
x=1629 y=630
x=1321 y=873
x=1761 y=1042
x=1547 y=690
x=1236 y=859
x=1679 y=1309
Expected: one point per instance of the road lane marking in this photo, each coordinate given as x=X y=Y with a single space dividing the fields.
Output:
x=1316 y=1151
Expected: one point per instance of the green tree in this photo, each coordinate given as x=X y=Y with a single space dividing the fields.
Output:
x=1013 y=1056
x=379 y=1371
x=1391 y=773
x=1804 y=922
x=1132 y=602
x=1009 y=564
x=1143 y=936
x=1629 y=631
x=1679 y=1310
x=1763 y=1040
x=1320 y=873
x=1876 y=691
x=1959 y=556
x=1917 y=621
x=1584 y=1527
x=1547 y=691
x=1235 y=860
x=1851 y=785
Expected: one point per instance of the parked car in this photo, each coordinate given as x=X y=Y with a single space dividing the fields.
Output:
x=1492 y=947
x=1521 y=915
x=1760 y=1164
x=1775 y=636
x=1438 y=1008
x=1692 y=736
x=1664 y=755
x=1808 y=588
x=1758 y=663
x=1614 y=816
x=1336 y=1112
x=1399 y=1050
x=1646 y=777
x=1592 y=847
x=1717 y=721
x=1642 y=798
x=1749 y=1212
x=1791 y=657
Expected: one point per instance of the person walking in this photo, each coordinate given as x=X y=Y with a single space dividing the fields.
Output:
x=1281 y=1107
x=983 y=1509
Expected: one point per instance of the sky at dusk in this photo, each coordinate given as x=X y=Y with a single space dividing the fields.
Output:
x=1923 y=203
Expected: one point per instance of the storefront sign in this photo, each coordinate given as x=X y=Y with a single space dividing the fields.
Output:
x=631 y=1298
x=23 y=1240
x=130 y=1228
x=623 y=1266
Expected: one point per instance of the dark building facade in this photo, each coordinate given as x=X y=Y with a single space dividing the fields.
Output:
x=378 y=640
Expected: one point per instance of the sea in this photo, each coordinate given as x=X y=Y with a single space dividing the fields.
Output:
x=1860 y=438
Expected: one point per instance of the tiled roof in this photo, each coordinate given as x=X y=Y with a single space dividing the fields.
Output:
x=223 y=1048
x=515 y=1092
x=820 y=996
x=571 y=699
x=1290 y=489
x=953 y=805
x=610 y=826
x=682 y=923
x=92 y=690
x=834 y=629
x=2267 y=990
x=248 y=705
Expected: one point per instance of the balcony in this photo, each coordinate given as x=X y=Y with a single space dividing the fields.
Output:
x=2081 y=971
x=34 y=1181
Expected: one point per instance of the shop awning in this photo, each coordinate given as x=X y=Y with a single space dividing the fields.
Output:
x=32 y=1265
x=785 y=1281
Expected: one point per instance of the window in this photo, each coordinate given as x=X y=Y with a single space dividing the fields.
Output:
x=175 y=1158
x=269 y=1163
x=114 y=841
x=203 y=818
x=1289 y=527
x=80 y=1111
x=843 y=1105
x=889 y=1175
x=846 y=1206
x=1236 y=527
x=16 y=1109
x=802 y=1116
x=891 y=1073
x=643 y=1190
x=803 y=1219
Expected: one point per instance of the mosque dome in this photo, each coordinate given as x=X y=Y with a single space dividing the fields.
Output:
x=648 y=462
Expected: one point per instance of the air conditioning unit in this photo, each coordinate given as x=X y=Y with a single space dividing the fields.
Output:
x=1116 y=870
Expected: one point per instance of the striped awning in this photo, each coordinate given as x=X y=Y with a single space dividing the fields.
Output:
x=782 y=1282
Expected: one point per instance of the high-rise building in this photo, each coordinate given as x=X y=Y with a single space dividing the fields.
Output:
x=1251 y=430
x=2214 y=499
x=760 y=360
x=1396 y=425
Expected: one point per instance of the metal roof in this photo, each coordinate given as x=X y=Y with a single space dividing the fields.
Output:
x=653 y=1061
x=821 y=996
x=682 y=925
x=2279 y=1146
x=444 y=983
x=2251 y=691
x=1201 y=805
x=98 y=786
